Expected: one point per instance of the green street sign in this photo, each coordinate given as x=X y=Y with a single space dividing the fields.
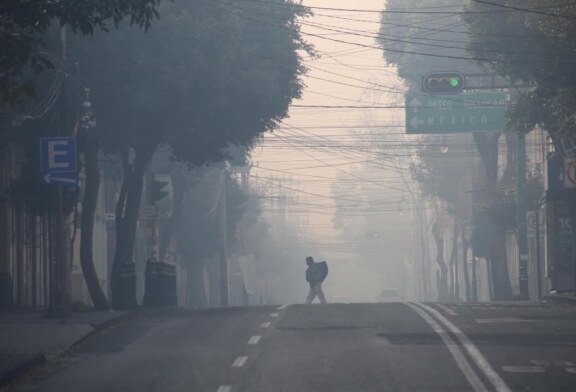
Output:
x=461 y=113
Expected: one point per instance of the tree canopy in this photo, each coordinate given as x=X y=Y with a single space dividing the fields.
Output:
x=23 y=24
x=204 y=76
x=528 y=41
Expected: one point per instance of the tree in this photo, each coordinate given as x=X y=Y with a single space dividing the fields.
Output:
x=203 y=77
x=523 y=41
x=23 y=25
x=533 y=44
x=417 y=44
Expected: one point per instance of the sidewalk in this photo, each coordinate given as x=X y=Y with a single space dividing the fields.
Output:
x=28 y=339
x=563 y=298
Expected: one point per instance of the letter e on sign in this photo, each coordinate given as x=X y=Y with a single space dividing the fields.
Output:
x=58 y=155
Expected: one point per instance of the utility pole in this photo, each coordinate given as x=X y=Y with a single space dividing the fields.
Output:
x=224 y=268
x=521 y=214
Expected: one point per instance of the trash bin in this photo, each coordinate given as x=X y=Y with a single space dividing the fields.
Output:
x=160 y=284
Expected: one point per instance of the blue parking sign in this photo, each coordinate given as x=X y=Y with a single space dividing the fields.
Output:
x=58 y=155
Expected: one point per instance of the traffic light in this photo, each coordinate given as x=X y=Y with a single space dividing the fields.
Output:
x=449 y=82
x=159 y=187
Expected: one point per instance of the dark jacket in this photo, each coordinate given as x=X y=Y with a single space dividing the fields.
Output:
x=316 y=272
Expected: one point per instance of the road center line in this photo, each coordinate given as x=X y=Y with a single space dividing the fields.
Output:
x=240 y=361
x=265 y=324
x=224 y=388
x=274 y=314
x=447 y=309
x=475 y=354
x=282 y=307
x=254 y=340
x=451 y=345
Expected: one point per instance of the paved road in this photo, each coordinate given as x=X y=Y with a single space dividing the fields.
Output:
x=332 y=348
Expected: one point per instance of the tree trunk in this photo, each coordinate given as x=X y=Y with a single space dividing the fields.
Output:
x=455 y=293
x=499 y=270
x=123 y=271
x=487 y=146
x=89 y=203
x=196 y=289
x=465 y=246
x=171 y=225
x=442 y=279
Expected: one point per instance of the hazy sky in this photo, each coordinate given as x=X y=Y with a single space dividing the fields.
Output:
x=315 y=145
x=342 y=76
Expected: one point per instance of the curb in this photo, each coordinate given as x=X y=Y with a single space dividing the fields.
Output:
x=21 y=369
x=102 y=327
x=41 y=359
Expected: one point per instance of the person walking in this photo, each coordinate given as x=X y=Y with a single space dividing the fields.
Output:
x=315 y=275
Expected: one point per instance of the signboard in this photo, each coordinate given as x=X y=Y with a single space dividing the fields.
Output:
x=561 y=247
x=58 y=160
x=570 y=173
x=462 y=113
x=535 y=223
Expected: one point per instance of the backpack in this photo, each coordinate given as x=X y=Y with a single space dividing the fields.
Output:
x=323 y=268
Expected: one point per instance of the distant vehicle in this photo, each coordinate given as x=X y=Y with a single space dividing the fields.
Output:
x=389 y=295
x=339 y=299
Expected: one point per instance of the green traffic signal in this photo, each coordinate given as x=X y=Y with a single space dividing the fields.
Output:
x=444 y=82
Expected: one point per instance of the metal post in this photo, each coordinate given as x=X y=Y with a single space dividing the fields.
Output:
x=521 y=214
x=538 y=260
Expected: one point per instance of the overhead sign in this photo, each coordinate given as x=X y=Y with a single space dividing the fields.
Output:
x=463 y=113
x=58 y=160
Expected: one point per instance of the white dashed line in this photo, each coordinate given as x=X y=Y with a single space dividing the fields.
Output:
x=502 y=320
x=274 y=314
x=571 y=370
x=254 y=340
x=240 y=361
x=282 y=307
x=265 y=324
x=224 y=388
x=523 y=369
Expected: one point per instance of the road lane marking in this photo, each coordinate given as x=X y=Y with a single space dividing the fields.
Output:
x=524 y=369
x=254 y=340
x=240 y=361
x=224 y=388
x=447 y=309
x=571 y=370
x=479 y=359
x=265 y=324
x=501 y=320
x=274 y=314
x=451 y=345
x=282 y=307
